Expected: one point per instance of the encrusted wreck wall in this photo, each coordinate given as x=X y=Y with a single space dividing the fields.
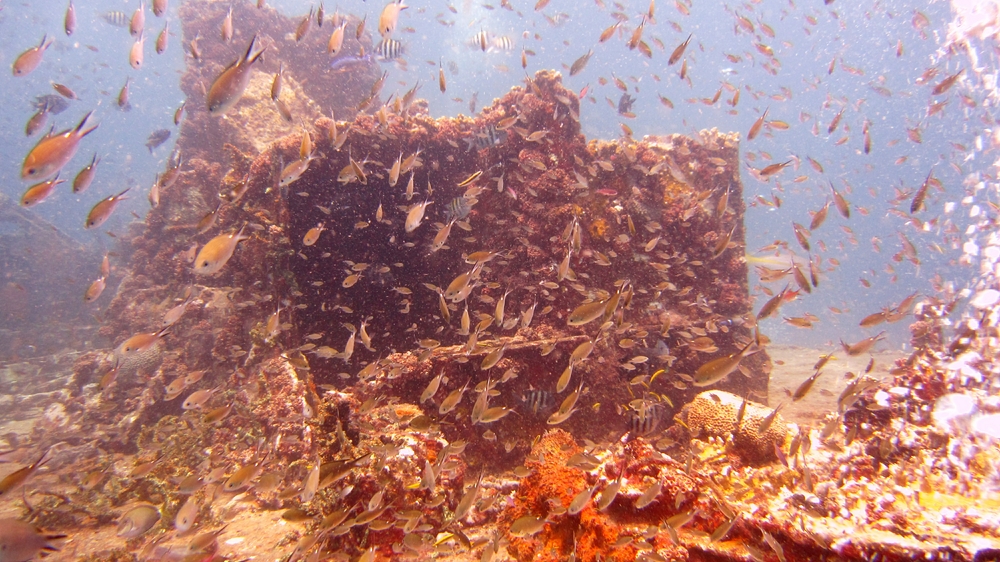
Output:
x=650 y=214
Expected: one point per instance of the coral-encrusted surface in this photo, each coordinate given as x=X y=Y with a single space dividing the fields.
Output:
x=715 y=413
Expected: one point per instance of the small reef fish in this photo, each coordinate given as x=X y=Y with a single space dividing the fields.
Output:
x=157 y=138
x=30 y=59
x=116 y=18
x=54 y=151
x=103 y=209
x=20 y=541
x=214 y=255
x=228 y=88
x=718 y=369
x=389 y=17
x=39 y=192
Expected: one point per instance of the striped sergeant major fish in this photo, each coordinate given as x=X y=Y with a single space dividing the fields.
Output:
x=116 y=18
x=486 y=138
x=389 y=49
x=459 y=208
x=645 y=420
x=503 y=43
x=539 y=402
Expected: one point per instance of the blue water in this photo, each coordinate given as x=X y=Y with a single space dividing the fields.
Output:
x=862 y=36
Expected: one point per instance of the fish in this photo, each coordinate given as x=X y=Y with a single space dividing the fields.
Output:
x=526 y=526
x=756 y=127
x=336 y=42
x=64 y=91
x=159 y=8
x=21 y=475
x=538 y=401
x=389 y=49
x=580 y=63
x=21 y=542
x=69 y=20
x=54 y=151
x=581 y=499
x=415 y=216
x=838 y=200
x=186 y=515
x=29 y=60
x=819 y=217
x=40 y=192
x=303 y=28
x=835 y=121
x=679 y=51
x=646 y=420
x=804 y=388
x=37 y=121
x=389 y=17
x=214 y=255
x=294 y=171
x=488 y=137
x=53 y=103
x=135 y=55
x=633 y=41
x=768 y=420
x=918 y=202
x=123 y=95
x=116 y=18
x=157 y=138
x=863 y=345
x=718 y=369
x=226 y=31
x=650 y=495
x=946 y=84
x=771 y=306
x=138 y=520
x=162 y=39
x=95 y=289
x=138 y=21
x=228 y=87
x=312 y=235
x=770 y=170
x=625 y=104
x=103 y=209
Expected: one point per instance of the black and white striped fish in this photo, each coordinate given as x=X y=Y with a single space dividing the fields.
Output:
x=482 y=41
x=389 y=49
x=646 y=420
x=538 y=401
x=459 y=208
x=502 y=43
x=486 y=138
x=116 y=18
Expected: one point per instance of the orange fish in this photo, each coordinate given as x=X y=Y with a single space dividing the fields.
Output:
x=53 y=152
x=85 y=176
x=30 y=59
x=103 y=209
x=755 y=128
x=39 y=192
x=228 y=88
x=679 y=51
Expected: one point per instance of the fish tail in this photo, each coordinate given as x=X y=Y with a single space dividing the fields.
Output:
x=252 y=53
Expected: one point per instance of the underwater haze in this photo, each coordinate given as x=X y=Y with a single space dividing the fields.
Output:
x=511 y=280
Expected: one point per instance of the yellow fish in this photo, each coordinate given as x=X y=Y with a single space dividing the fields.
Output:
x=214 y=255
x=53 y=152
x=228 y=88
